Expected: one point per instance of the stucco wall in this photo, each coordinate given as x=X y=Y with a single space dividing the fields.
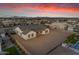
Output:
x=25 y=36
x=44 y=31
x=18 y=31
x=29 y=33
x=58 y=25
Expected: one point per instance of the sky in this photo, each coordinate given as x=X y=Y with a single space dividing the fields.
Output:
x=39 y=9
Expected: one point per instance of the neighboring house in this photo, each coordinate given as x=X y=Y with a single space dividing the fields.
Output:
x=58 y=25
x=8 y=22
x=71 y=27
x=71 y=21
x=1 y=51
x=4 y=37
x=77 y=24
x=2 y=32
x=31 y=31
x=1 y=45
x=76 y=29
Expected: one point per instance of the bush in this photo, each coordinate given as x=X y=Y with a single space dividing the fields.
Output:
x=12 y=51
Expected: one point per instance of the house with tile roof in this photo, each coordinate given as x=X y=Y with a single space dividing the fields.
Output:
x=31 y=31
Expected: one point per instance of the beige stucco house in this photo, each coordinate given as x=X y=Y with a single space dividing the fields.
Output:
x=26 y=34
x=31 y=31
x=58 y=25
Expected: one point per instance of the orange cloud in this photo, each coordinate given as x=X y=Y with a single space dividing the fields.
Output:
x=55 y=8
x=41 y=7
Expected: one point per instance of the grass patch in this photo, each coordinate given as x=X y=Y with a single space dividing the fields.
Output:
x=12 y=51
x=71 y=39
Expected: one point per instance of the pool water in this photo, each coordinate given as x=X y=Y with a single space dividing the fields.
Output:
x=76 y=45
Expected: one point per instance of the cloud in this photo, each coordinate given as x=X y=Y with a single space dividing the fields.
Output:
x=43 y=7
x=40 y=8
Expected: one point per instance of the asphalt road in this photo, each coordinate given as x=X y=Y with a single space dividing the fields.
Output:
x=44 y=44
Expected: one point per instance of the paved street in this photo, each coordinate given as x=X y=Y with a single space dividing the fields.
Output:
x=43 y=44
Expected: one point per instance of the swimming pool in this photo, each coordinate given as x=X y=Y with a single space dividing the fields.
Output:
x=76 y=45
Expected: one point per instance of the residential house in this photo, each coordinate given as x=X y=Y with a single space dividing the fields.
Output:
x=8 y=23
x=25 y=33
x=39 y=29
x=1 y=46
x=31 y=31
x=58 y=25
x=71 y=27
x=76 y=29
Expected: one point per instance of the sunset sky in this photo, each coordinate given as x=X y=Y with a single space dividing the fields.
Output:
x=40 y=9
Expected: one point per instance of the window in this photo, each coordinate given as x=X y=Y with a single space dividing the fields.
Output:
x=29 y=35
x=46 y=31
x=32 y=35
x=40 y=31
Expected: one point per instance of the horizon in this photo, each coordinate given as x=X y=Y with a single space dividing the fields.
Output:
x=38 y=17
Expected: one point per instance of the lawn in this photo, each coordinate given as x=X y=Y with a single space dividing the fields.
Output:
x=71 y=39
x=12 y=51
